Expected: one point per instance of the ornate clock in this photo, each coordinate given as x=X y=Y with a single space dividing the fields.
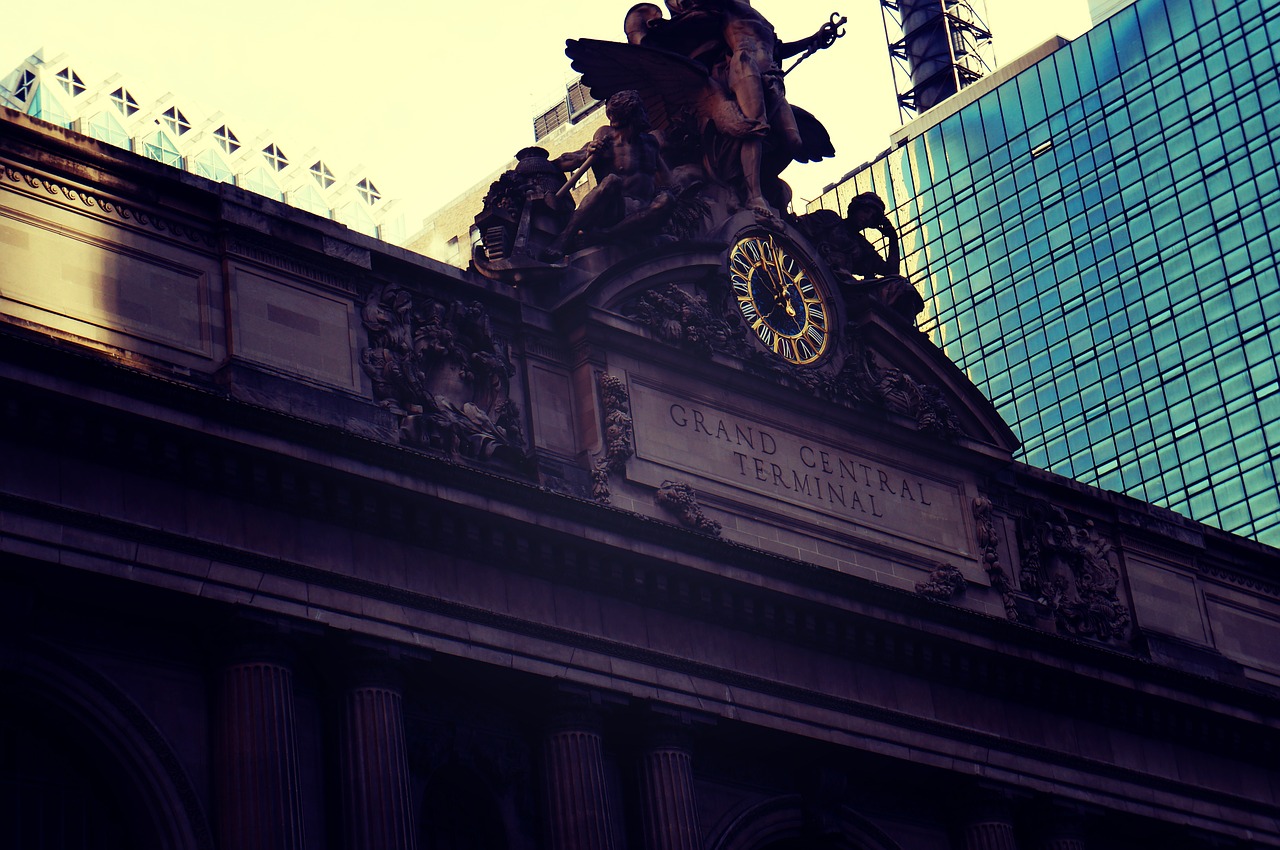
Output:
x=780 y=297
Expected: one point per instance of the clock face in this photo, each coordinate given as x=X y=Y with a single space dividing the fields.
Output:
x=779 y=297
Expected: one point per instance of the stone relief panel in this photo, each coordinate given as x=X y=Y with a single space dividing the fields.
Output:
x=90 y=268
x=770 y=464
x=292 y=329
x=440 y=367
x=1068 y=569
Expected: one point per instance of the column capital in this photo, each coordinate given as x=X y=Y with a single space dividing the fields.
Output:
x=249 y=638
x=986 y=818
x=361 y=666
x=667 y=728
x=1061 y=824
x=575 y=709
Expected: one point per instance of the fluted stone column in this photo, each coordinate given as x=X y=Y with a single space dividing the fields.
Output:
x=256 y=756
x=668 y=807
x=988 y=825
x=577 y=797
x=376 y=798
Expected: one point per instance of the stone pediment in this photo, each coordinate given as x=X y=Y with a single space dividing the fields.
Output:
x=745 y=389
x=875 y=361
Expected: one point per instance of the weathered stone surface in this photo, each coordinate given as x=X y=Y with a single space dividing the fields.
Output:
x=758 y=460
x=1104 y=658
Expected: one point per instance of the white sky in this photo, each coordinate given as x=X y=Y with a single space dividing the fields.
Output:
x=433 y=96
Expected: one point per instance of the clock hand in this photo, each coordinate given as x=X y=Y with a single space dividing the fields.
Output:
x=781 y=297
x=785 y=297
x=760 y=271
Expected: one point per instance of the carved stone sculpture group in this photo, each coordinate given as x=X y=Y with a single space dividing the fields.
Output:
x=699 y=127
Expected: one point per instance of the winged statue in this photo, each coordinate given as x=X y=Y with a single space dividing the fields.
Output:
x=711 y=83
x=699 y=128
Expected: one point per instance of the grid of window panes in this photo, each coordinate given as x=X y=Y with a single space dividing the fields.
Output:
x=163 y=132
x=1096 y=240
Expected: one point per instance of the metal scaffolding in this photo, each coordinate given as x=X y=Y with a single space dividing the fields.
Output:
x=936 y=48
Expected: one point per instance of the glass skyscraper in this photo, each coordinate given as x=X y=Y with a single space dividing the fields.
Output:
x=1095 y=232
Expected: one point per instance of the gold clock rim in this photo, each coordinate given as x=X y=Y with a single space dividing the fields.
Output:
x=785 y=245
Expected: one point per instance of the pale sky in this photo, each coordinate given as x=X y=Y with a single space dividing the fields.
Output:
x=432 y=97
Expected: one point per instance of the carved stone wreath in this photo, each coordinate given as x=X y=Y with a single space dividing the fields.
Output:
x=686 y=320
x=439 y=366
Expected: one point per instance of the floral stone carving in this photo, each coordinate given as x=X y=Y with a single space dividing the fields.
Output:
x=686 y=320
x=1067 y=568
x=439 y=366
x=943 y=584
x=989 y=552
x=619 y=435
x=861 y=378
x=680 y=499
x=682 y=319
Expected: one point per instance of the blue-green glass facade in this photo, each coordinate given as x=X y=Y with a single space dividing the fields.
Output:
x=1096 y=240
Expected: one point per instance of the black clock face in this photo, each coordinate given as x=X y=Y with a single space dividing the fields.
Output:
x=779 y=298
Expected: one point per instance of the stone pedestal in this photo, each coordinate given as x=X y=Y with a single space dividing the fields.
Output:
x=256 y=760
x=577 y=796
x=376 y=799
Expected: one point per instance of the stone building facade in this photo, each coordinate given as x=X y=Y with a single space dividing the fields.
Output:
x=310 y=541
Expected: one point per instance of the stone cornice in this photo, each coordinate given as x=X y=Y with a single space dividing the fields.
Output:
x=798 y=604
x=210 y=401
x=881 y=644
x=263 y=254
x=84 y=201
x=1236 y=577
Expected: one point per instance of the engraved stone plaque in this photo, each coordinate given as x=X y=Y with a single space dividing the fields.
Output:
x=758 y=461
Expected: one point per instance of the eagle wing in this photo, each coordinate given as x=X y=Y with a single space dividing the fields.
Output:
x=817 y=141
x=668 y=83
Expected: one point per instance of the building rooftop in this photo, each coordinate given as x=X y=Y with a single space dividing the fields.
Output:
x=171 y=130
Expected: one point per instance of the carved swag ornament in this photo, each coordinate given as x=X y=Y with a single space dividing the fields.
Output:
x=686 y=320
x=440 y=368
x=943 y=584
x=679 y=498
x=989 y=551
x=1067 y=568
